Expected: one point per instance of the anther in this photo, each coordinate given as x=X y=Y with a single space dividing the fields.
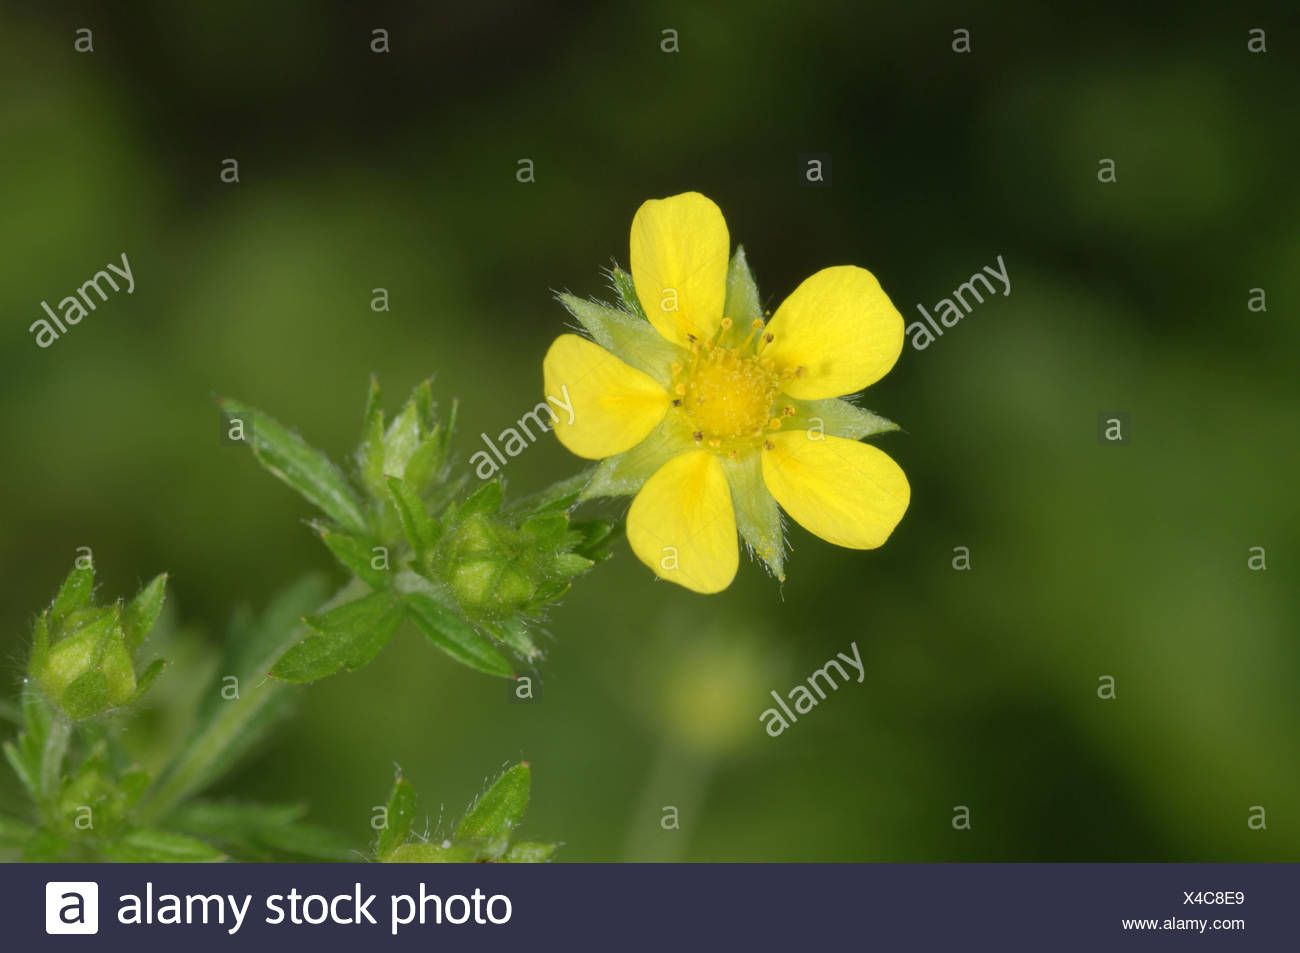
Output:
x=726 y=324
x=697 y=436
x=768 y=445
x=787 y=410
x=680 y=390
x=775 y=423
x=677 y=403
x=769 y=338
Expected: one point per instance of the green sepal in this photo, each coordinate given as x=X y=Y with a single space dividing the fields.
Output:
x=454 y=636
x=304 y=468
x=625 y=473
x=758 y=518
x=86 y=695
x=147 y=677
x=356 y=554
x=74 y=594
x=346 y=637
x=513 y=632
x=142 y=612
x=836 y=417
x=548 y=530
x=625 y=288
x=498 y=811
x=399 y=815
x=630 y=338
x=593 y=538
x=486 y=499
x=743 y=304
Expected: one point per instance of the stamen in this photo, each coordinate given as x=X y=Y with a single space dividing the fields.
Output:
x=697 y=436
x=775 y=423
x=680 y=390
x=787 y=410
x=677 y=403
x=768 y=445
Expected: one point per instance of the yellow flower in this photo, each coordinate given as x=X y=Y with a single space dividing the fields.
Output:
x=712 y=416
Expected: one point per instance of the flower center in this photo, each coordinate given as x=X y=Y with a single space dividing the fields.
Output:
x=726 y=395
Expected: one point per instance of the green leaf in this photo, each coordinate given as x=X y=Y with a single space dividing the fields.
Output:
x=142 y=612
x=500 y=808
x=347 y=637
x=301 y=466
x=431 y=854
x=486 y=500
x=758 y=518
x=743 y=305
x=528 y=852
x=399 y=815
x=14 y=832
x=420 y=530
x=146 y=845
x=356 y=554
x=625 y=288
x=453 y=635
x=74 y=594
x=370 y=452
x=633 y=339
x=259 y=832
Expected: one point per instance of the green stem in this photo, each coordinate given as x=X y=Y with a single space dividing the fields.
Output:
x=52 y=755
x=227 y=728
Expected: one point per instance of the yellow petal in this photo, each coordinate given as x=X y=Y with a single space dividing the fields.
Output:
x=840 y=328
x=600 y=405
x=848 y=493
x=680 y=250
x=682 y=525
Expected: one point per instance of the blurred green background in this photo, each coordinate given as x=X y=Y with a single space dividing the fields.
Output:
x=362 y=170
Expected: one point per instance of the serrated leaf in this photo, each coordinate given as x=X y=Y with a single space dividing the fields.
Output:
x=399 y=814
x=625 y=288
x=453 y=635
x=302 y=467
x=419 y=529
x=346 y=637
x=743 y=305
x=528 y=852
x=486 y=499
x=142 y=612
x=146 y=845
x=356 y=554
x=631 y=338
x=74 y=594
x=500 y=808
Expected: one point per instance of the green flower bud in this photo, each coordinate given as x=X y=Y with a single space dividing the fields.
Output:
x=82 y=654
